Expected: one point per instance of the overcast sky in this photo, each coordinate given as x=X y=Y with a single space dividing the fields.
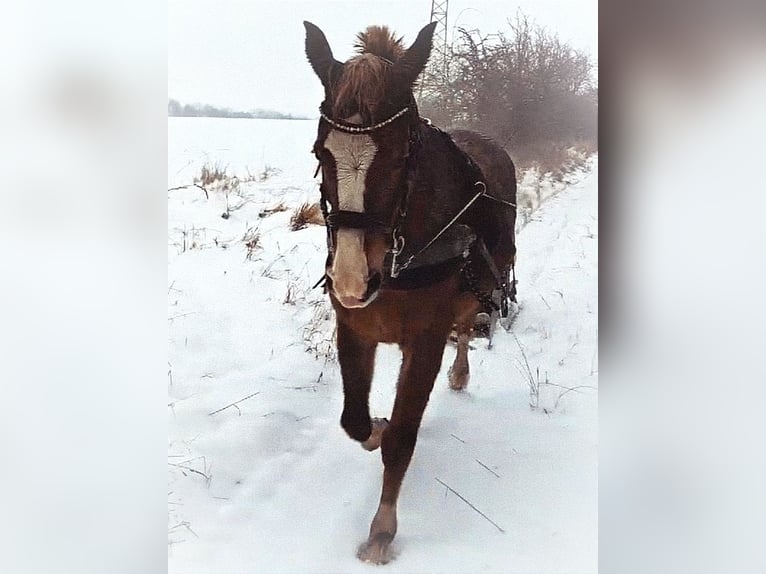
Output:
x=247 y=54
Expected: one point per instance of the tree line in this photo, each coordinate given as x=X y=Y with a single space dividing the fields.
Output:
x=176 y=109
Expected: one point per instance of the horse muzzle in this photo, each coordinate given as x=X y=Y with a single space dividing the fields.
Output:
x=360 y=297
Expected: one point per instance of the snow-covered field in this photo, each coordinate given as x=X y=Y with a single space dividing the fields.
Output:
x=263 y=479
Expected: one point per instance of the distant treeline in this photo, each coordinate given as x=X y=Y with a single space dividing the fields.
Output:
x=176 y=109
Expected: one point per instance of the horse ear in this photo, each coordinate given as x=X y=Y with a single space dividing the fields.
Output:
x=414 y=59
x=318 y=52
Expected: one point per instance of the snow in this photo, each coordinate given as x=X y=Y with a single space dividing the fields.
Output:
x=272 y=483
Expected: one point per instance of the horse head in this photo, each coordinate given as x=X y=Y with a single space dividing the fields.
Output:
x=364 y=140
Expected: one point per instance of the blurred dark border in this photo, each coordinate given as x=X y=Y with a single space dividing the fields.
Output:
x=681 y=129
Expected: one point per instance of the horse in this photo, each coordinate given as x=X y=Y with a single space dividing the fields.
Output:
x=420 y=240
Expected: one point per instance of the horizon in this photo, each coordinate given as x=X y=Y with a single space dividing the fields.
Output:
x=202 y=106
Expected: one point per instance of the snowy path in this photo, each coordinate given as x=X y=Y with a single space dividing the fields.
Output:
x=284 y=490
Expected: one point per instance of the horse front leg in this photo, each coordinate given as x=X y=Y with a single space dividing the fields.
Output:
x=420 y=365
x=356 y=356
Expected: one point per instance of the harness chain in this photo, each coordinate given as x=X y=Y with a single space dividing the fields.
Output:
x=471 y=283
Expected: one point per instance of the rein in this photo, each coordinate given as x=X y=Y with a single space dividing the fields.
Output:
x=399 y=241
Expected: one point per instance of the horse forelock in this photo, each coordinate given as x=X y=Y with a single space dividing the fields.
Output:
x=379 y=41
x=362 y=88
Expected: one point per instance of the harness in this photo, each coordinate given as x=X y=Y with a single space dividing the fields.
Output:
x=455 y=244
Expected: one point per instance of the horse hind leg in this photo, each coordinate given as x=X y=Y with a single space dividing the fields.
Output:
x=459 y=373
x=465 y=321
x=494 y=319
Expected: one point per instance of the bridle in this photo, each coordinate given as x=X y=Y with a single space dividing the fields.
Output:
x=338 y=219
x=354 y=129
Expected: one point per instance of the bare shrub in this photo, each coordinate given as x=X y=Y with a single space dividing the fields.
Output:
x=526 y=88
x=306 y=214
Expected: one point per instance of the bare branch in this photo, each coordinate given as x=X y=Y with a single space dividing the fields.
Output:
x=207 y=195
x=235 y=403
x=461 y=497
x=485 y=466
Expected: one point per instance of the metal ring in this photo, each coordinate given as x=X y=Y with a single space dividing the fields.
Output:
x=398 y=242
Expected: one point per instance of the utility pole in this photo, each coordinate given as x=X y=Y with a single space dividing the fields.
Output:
x=435 y=77
x=438 y=70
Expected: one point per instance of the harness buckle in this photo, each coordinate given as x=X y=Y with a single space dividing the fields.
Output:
x=396 y=250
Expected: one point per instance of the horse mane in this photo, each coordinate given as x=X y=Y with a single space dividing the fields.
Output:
x=363 y=85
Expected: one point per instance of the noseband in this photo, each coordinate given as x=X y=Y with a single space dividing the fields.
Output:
x=354 y=220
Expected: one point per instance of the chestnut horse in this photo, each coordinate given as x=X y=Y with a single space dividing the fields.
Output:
x=420 y=234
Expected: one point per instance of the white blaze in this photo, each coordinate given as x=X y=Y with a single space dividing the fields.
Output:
x=353 y=155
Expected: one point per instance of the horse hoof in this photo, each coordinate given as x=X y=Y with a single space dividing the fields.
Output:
x=376 y=549
x=458 y=381
x=378 y=426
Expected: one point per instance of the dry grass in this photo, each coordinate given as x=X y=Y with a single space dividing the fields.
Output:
x=210 y=174
x=268 y=171
x=558 y=159
x=278 y=208
x=305 y=215
x=294 y=292
x=319 y=335
x=251 y=239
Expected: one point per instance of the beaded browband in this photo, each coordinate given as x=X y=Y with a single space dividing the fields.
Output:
x=362 y=130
